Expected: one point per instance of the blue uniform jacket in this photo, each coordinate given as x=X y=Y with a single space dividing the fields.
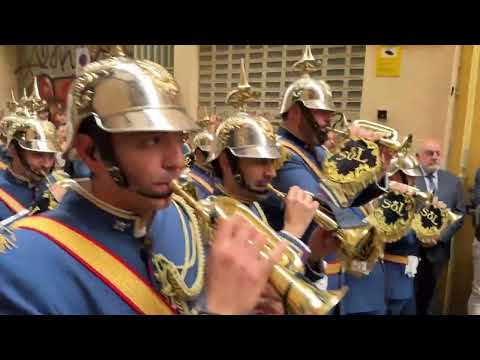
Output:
x=205 y=185
x=39 y=277
x=22 y=191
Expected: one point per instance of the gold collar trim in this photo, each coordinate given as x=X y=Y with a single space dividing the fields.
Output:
x=20 y=177
x=81 y=187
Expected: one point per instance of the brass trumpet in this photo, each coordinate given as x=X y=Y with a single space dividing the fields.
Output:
x=389 y=139
x=430 y=212
x=301 y=296
x=353 y=241
x=428 y=198
x=60 y=176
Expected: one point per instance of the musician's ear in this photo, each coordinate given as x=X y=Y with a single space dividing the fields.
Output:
x=223 y=162
x=294 y=112
x=86 y=148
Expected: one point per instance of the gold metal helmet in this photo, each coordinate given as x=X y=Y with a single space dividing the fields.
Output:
x=23 y=125
x=406 y=163
x=245 y=135
x=33 y=134
x=203 y=141
x=35 y=103
x=205 y=120
x=314 y=94
x=126 y=95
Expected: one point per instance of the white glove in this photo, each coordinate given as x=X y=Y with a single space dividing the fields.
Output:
x=322 y=284
x=411 y=267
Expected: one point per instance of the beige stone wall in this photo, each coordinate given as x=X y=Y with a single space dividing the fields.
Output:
x=186 y=70
x=8 y=64
x=417 y=102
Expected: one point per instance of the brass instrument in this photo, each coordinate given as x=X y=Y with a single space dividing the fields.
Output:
x=428 y=198
x=300 y=296
x=353 y=241
x=390 y=137
x=439 y=218
x=52 y=199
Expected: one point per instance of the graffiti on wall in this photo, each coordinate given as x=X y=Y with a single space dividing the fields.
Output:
x=54 y=66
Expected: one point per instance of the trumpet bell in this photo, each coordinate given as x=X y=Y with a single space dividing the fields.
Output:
x=454 y=217
x=354 y=241
x=323 y=302
x=301 y=296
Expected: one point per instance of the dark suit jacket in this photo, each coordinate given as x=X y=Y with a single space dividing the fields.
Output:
x=450 y=191
x=476 y=189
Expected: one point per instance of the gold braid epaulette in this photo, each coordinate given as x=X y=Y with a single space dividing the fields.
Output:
x=167 y=273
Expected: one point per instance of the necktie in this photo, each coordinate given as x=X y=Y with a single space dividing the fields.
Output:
x=431 y=181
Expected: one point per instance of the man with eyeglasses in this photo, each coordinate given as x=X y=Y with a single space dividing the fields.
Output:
x=434 y=259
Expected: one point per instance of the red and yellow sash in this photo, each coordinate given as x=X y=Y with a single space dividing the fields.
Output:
x=10 y=201
x=115 y=273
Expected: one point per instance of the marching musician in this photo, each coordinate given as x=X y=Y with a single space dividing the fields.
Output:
x=128 y=128
x=32 y=145
x=306 y=111
x=401 y=257
x=200 y=171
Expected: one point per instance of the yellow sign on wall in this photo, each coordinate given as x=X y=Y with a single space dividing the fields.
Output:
x=388 y=61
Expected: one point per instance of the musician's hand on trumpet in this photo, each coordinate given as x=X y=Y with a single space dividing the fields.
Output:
x=401 y=188
x=238 y=269
x=270 y=302
x=58 y=191
x=299 y=211
x=386 y=154
x=361 y=132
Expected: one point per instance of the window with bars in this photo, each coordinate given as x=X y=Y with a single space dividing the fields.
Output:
x=161 y=54
x=270 y=71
